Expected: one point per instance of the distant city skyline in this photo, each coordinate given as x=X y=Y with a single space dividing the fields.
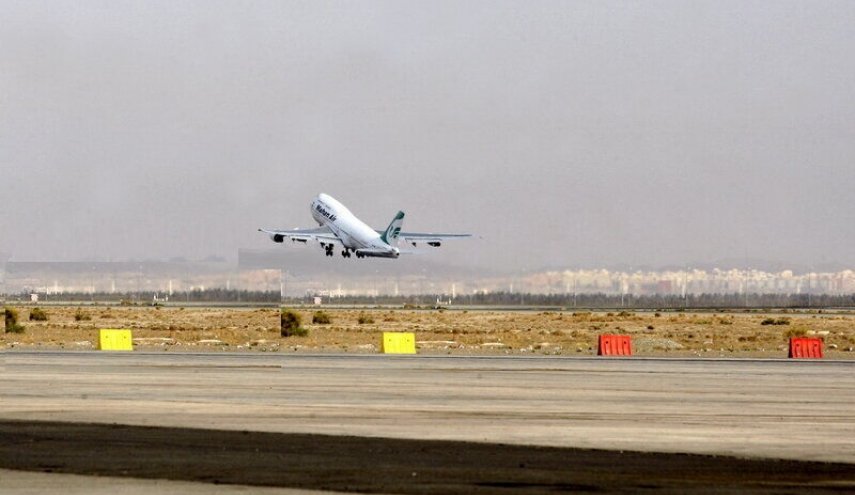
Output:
x=563 y=134
x=260 y=271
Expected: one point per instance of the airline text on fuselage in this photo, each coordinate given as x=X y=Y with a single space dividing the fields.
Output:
x=320 y=209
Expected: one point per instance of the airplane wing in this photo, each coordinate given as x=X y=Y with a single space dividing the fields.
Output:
x=322 y=234
x=430 y=239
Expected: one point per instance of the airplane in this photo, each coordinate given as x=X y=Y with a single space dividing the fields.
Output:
x=338 y=226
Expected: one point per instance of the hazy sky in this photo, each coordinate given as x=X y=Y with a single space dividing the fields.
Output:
x=563 y=133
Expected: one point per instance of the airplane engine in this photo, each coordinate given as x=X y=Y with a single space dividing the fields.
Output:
x=435 y=244
x=277 y=237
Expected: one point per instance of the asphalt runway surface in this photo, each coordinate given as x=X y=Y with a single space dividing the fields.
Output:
x=427 y=424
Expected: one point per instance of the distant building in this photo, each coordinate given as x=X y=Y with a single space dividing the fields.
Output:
x=301 y=271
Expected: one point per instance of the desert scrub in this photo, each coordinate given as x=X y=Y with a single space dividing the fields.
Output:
x=289 y=324
x=774 y=321
x=38 y=314
x=364 y=319
x=321 y=318
x=81 y=315
x=795 y=332
x=10 y=316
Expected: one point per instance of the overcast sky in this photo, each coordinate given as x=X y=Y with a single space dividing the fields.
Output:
x=563 y=133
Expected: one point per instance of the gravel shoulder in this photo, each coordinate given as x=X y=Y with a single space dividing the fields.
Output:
x=462 y=332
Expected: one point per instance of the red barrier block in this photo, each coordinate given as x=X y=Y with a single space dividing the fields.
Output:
x=614 y=345
x=805 y=348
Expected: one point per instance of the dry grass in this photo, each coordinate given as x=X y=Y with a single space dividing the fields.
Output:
x=453 y=332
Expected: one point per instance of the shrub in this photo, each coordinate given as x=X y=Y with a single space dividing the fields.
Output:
x=364 y=319
x=773 y=321
x=321 y=318
x=10 y=316
x=38 y=314
x=300 y=332
x=795 y=332
x=81 y=315
x=289 y=324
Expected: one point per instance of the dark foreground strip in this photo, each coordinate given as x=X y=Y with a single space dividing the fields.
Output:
x=382 y=465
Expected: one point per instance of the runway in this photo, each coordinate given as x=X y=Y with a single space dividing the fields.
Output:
x=772 y=409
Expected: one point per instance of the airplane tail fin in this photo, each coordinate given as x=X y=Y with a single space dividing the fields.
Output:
x=390 y=235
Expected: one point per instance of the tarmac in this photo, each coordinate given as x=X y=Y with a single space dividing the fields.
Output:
x=788 y=426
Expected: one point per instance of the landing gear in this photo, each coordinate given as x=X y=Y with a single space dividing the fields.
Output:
x=345 y=253
x=328 y=248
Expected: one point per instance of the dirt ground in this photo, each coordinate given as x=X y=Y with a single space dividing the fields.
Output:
x=458 y=331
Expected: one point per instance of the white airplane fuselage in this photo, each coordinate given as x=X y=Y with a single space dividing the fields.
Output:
x=354 y=234
x=338 y=226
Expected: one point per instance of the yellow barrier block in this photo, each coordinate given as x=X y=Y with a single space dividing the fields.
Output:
x=115 y=340
x=399 y=343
